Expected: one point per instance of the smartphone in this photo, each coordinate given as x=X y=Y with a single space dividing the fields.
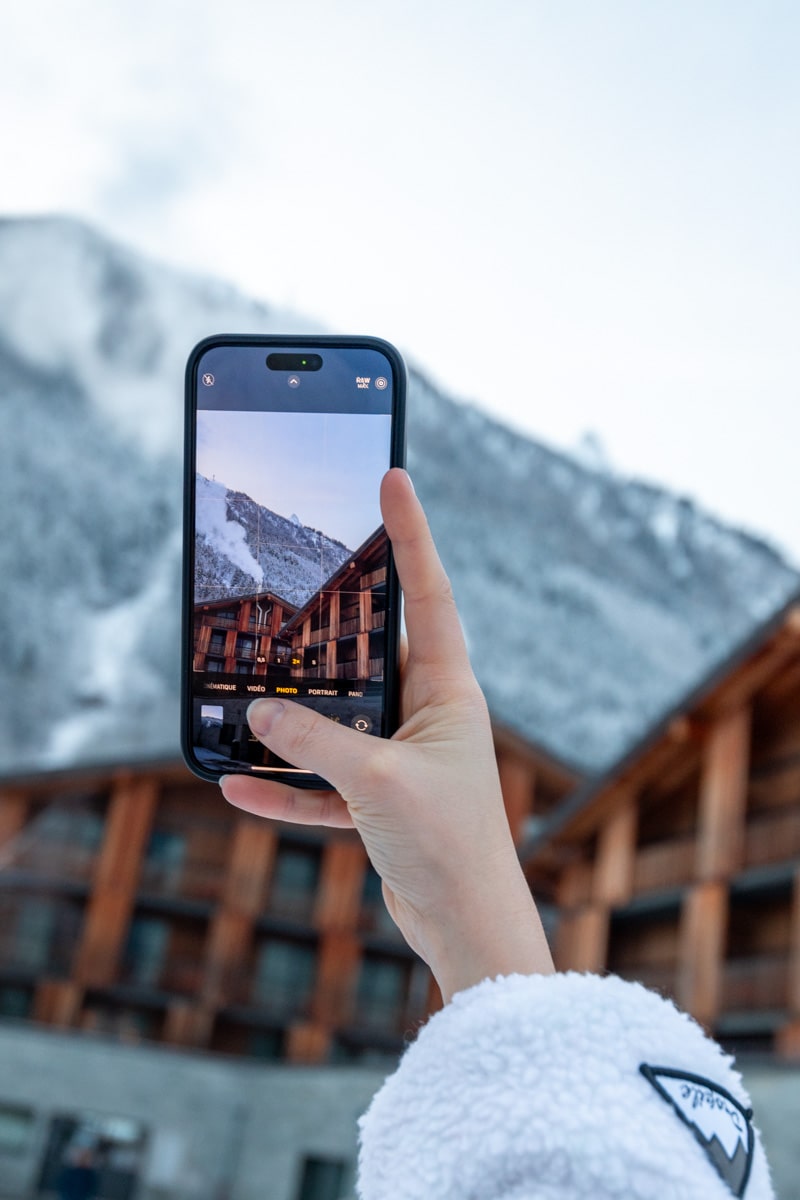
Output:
x=289 y=584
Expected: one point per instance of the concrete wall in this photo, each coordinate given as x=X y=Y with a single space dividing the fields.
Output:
x=229 y=1129
x=775 y=1092
x=217 y=1128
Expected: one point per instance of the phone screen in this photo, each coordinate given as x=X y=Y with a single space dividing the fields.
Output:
x=291 y=587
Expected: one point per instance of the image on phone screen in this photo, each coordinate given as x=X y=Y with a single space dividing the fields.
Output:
x=291 y=580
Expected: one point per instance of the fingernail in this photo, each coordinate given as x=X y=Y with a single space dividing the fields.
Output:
x=262 y=713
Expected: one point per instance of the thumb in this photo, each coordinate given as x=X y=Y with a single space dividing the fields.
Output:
x=308 y=740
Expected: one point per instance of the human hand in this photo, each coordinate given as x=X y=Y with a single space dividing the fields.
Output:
x=426 y=802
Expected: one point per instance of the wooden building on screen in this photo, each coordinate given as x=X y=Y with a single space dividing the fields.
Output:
x=339 y=632
x=243 y=636
x=681 y=868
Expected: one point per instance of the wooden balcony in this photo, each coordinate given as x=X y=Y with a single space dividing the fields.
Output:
x=373 y=579
x=664 y=865
x=773 y=838
x=192 y=881
x=752 y=984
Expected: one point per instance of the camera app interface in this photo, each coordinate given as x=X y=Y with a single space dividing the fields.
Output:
x=290 y=568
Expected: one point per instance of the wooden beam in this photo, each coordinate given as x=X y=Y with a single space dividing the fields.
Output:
x=704 y=922
x=741 y=684
x=517 y=782
x=654 y=760
x=188 y=1024
x=787 y=1041
x=308 y=1043
x=723 y=797
x=612 y=882
x=14 y=805
x=337 y=969
x=250 y=863
x=574 y=884
x=57 y=1002
x=230 y=933
x=581 y=942
x=105 y=927
x=338 y=899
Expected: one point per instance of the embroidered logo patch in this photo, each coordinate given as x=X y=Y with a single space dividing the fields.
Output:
x=718 y=1122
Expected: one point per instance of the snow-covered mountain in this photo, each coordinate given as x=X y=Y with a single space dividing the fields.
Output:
x=590 y=603
x=243 y=546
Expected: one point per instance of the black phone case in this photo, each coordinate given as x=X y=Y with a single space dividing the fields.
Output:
x=397 y=459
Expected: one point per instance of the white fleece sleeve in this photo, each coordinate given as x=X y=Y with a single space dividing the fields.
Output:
x=530 y=1087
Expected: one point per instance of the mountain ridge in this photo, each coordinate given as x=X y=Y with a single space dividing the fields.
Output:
x=591 y=604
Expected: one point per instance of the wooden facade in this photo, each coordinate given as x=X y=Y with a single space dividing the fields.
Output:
x=243 y=636
x=137 y=903
x=682 y=868
x=339 y=633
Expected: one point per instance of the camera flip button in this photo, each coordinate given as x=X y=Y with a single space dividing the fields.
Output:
x=362 y=723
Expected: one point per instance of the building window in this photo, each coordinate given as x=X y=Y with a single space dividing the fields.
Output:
x=16 y=1002
x=216 y=644
x=382 y=992
x=146 y=951
x=163 y=865
x=284 y=976
x=62 y=841
x=132 y=1025
x=38 y=932
x=245 y=646
x=267 y=1044
x=373 y=914
x=321 y=1179
x=16 y=1127
x=215 y=664
x=295 y=878
x=114 y=1146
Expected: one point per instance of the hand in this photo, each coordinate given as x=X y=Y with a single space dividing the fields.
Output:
x=427 y=802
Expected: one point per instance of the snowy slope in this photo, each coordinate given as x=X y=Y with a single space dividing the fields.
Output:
x=243 y=546
x=591 y=603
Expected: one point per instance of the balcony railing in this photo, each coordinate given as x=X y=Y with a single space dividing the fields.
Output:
x=773 y=838
x=758 y=982
x=664 y=865
x=297 y=906
x=54 y=860
x=183 y=976
x=192 y=881
x=34 y=957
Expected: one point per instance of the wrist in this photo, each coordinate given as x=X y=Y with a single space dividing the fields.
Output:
x=501 y=936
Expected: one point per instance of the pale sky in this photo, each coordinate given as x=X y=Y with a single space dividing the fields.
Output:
x=324 y=469
x=579 y=216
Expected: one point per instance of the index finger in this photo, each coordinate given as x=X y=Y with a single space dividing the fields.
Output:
x=435 y=637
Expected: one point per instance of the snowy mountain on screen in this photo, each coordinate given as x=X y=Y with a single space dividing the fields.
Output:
x=591 y=603
x=243 y=547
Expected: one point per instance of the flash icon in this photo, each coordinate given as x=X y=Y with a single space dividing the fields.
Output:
x=208 y=380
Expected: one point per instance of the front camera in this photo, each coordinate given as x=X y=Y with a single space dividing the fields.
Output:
x=294 y=362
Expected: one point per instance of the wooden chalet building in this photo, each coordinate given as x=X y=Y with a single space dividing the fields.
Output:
x=681 y=868
x=243 y=635
x=135 y=903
